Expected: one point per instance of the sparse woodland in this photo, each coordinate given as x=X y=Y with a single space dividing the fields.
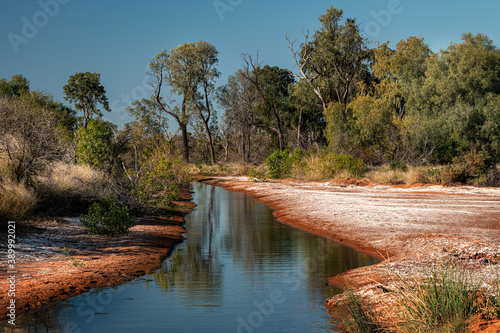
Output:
x=398 y=112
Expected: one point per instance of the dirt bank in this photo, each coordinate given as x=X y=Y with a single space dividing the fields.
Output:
x=57 y=259
x=408 y=228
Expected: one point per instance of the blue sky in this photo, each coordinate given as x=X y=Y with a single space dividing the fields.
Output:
x=49 y=40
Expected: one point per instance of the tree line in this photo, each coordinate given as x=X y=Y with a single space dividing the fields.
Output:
x=406 y=104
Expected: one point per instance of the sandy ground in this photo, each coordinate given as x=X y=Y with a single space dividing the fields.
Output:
x=408 y=228
x=57 y=259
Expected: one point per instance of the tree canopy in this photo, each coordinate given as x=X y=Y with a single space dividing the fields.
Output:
x=86 y=92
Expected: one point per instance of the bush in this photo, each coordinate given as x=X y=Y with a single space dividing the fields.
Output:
x=94 y=146
x=279 y=164
x=161 y=180
x=493 y=176
x=474 y=164
x=338 y=163
x=395 y=165
x=303 y=165
x=69 y=189
x=108 y=218
x=28 y=140
x=255 y=175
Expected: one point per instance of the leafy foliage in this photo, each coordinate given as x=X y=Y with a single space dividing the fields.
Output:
x=279 y=164
x=94 y=146
x=108 y=218
x=161 y=179
x=86 y=92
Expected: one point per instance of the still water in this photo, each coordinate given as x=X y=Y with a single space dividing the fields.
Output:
x=238 y=271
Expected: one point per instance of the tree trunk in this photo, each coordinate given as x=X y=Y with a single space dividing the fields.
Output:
x=280 y=133
x=226 y=151
x=243 y=151
x=298 y=128
x=185 y=144
x=248 y=140
x=210 y=142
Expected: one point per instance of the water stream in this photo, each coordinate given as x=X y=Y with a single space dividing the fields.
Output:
x=238 y=271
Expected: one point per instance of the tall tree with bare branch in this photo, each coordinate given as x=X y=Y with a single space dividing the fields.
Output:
x=334 y=59
x=271 y=84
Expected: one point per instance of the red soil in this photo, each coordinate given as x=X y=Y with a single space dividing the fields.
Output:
x=407 y=228
x=90 y=262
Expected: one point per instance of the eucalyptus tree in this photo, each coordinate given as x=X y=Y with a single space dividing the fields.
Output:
x=161 y=74
x=307 y=116
x=463 y=85
x=86 y=92
x=189 y=71
x=151 y=118
x=334 y=59
x=401 y=73
x=205 y=55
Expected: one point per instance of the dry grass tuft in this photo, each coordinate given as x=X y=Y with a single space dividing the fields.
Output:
x=67 y=188
x=384 y=175
x=311 y=168
x=415 y=175
x=65 y=179
x=16 y=200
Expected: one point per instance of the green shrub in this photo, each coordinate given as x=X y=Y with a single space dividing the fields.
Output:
x=161 y=180
x=474 y=164
x=94 y=146
x=337 y=163
x=303 y=165
x=279 y=164
x=108 y=218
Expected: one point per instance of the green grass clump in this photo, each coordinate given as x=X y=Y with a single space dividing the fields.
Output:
x=357 y=316
x=443 y=302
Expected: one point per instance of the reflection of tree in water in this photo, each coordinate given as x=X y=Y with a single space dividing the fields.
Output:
x=257 y=241
x=324 y=258
x=195 y=268
x=254 y=236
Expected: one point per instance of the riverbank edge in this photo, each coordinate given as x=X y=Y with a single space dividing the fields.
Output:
x=112 y=261
x=368 y=280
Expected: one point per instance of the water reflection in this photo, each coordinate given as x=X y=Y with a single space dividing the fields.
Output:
x=238 y=271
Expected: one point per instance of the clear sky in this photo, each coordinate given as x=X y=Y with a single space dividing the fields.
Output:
x=49 y=40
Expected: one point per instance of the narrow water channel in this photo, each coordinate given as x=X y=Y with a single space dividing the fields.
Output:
x=238 y=271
